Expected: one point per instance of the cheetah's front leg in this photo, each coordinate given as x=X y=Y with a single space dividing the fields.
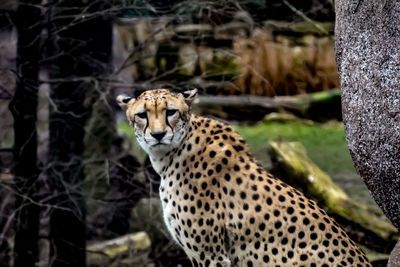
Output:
x=203 y=242
x=208 y=259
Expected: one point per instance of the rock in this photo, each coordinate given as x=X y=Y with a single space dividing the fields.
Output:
x=148 y=216
x=368 y=57
x=394 y=258
x=132 y=248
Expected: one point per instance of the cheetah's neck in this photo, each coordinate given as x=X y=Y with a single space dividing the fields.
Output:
x=202 y=133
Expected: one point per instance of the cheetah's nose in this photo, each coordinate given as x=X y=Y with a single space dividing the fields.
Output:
x=158 y=135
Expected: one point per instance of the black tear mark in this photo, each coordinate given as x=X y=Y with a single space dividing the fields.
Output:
x=126 y=100
x=168 y=124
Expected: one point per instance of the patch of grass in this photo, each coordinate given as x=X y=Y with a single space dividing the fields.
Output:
x=325 y=143
x=326 y=146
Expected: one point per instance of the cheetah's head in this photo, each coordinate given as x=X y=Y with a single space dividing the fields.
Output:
x=159 y=118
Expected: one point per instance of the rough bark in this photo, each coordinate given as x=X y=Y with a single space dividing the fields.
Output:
x=82 y=52
x=368 y=57
x=24 y=108
x=394 y=259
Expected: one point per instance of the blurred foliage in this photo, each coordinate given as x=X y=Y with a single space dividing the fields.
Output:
x=222 y=67
x=320 y=10
x=143 y=8
x=125 y=129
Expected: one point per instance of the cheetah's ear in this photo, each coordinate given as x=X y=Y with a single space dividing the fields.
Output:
x=124 y=101
x=189 y=96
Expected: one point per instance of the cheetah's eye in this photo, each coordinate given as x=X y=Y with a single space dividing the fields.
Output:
x=142 y=115
x=171 y=112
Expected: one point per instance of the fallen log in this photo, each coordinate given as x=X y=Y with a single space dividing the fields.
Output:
x=132 y=248
x=247 y=101
x=291 y=159
x=316 y=106
x=283 y=27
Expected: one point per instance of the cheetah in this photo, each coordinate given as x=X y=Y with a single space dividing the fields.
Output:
x=218 y=203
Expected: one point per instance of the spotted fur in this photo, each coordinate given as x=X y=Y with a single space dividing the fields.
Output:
x=218 y=202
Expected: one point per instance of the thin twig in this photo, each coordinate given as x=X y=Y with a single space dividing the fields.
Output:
x=307 y=19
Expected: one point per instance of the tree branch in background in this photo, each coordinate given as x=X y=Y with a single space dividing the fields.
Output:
x=312 y=22
x=80 y=50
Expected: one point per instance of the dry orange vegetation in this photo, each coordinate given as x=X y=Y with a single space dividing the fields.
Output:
x=277 y=65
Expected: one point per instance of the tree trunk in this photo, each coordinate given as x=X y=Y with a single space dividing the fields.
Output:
x=368 y=57
x=24 y=107
x=82 y=51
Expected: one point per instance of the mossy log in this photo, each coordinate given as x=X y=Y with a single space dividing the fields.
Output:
x=292 y=158
x=303 y=27
x=133 y=248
